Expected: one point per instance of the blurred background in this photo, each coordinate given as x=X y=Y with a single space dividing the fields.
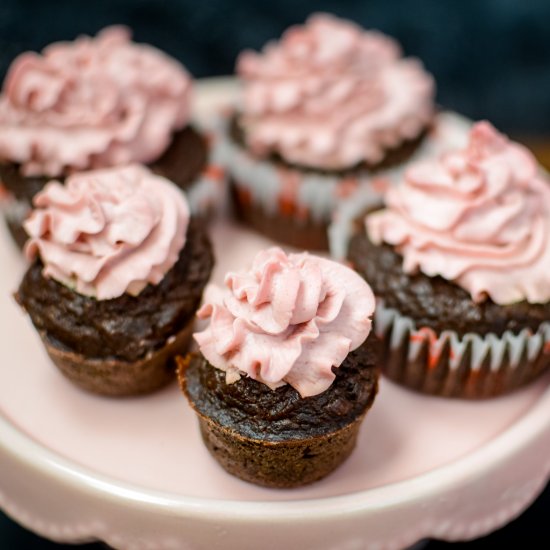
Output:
x=490 y=59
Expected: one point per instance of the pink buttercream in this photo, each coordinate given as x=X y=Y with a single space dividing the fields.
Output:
x=289 y=319
x=331 y=95
x=479 y=217
x=108 y=232
x=91 y=103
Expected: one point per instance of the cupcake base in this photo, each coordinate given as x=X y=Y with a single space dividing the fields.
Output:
x=118 y=378
x=436 y=340
x=281 y=464
x=120 y=346
x=191 y=162
x=275 y=438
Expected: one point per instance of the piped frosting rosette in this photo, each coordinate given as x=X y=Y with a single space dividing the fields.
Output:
x=108 y=232
x=287 y=320
x=91 y=103
x=330 y=95
x=480 y=218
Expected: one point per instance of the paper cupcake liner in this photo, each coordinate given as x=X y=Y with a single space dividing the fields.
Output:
x=276 y=186
x=208 y=194
x=14 y=212
x=329 y=202
x=12 y=209
x=280 y=189
x=449 y=131
x=348 y=212
x=451 y=365
x=292 y=205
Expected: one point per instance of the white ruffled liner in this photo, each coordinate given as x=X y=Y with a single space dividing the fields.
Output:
x=266 y=183
x=328 y=198
x=525 y=343
x=450 y=131
x=15 y=211
x=208 y=193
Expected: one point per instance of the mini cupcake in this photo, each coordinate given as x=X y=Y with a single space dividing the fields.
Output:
x=97 y=103
x=285 y=373
x=117 y=274
x=325 y=109
x=459 y=261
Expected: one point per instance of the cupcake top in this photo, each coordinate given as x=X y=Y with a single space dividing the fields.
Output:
x=287 y=320
x=92 y=103
x=330 y=95
x=479 y=217
x=108 y=232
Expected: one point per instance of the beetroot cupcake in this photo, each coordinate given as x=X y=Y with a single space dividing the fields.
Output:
x=325 y=109
x=117 y=274
x=96 y=103
x=459 y=261
x=285 y=373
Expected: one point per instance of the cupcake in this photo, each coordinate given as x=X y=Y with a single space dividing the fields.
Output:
x=459 y=261
x=286 y=370
x=325 y=109
x=97 y=103
x=117 y=274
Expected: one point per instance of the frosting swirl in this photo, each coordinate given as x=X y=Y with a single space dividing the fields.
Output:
x=479 y=217
x=91 y=103
x=108 y=232
x=289 y=319
x=330 y=95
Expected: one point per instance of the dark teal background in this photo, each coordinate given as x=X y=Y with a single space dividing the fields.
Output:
x=491 y=59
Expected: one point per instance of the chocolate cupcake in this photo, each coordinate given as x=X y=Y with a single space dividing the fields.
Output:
x=326 y=109
x=117 y=274
x=96 y=103
x=459 y=261
x=285 y=373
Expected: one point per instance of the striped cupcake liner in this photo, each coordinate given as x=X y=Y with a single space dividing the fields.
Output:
x=451 y=365
x=12 y=209
x=278 y=189
x=208 y=194
x=14 y=212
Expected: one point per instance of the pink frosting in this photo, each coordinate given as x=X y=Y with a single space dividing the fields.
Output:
x=108 y=232
x=91 y=103
x=289 y=319
x=479 y=217
x=331 y=95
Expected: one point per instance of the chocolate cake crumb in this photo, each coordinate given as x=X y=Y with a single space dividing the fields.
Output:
x=127 y=327
x=434 y=302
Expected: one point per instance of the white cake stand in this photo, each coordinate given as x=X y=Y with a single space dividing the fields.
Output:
x=134 y=473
